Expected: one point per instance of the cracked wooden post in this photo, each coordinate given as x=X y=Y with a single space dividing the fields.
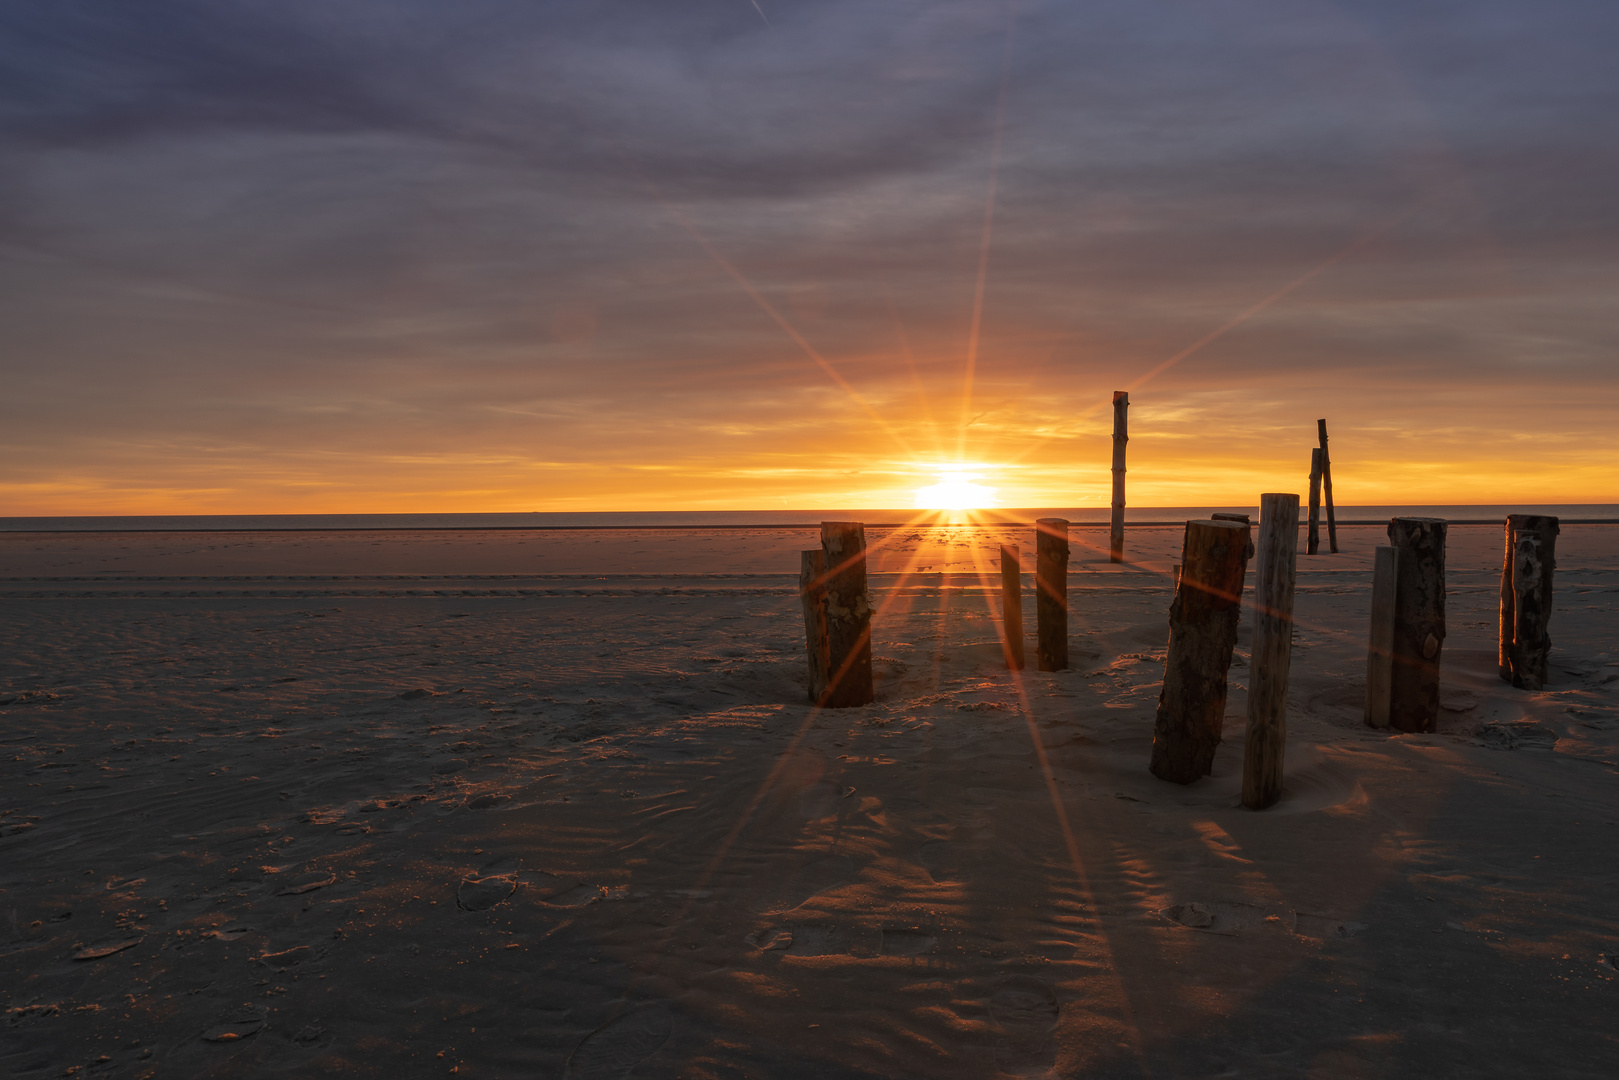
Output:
x=1121 y=436
x=1011 y=607
x=1326 y=488
x=1419 y=623
x=1313 y=539
x=1051 y=594
x=1524 y=648
x=1380 y=639
x=848 y=615
x=1202 y=633
x=1272 y=651
x=812 y=590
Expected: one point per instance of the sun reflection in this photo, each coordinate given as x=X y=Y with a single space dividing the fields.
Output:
x=955 y=491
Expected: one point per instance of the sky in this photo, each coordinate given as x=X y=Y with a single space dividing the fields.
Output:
x=322 y=256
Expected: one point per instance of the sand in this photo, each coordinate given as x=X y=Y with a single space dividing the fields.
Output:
x=552 y=805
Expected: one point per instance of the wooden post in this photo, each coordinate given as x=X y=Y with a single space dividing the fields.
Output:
x=812 y=590
x=1202 y=633
x=1380 y=639
x=1011 y=607
x=1313 y=540
x=1051 y=594
x=1326 y=488
x=1524 y=648
x=1121 y=435
x=1419 y=623
x=1272 y=651
x=848 y=615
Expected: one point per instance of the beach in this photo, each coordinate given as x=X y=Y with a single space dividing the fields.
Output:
x=553 y=804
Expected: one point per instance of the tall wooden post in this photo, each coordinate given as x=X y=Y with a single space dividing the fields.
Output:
x=848 y=615
x=1326 y=488
x=1272 y=651
x=1524 y=647
x=812 y=590
x=1380 y=639
x=1313 y=539
x=1202 y=633
x=1121 y=436
x=1419 y=623
x=1051 y=594
x=1012 y=607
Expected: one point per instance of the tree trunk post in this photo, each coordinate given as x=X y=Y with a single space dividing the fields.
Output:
x=1121 y=436
x=1051 y=594
x=1313 y=539
x=1272 y=651
x=848 y=615
x=1380 y=639
x=1326 y=488
x=1011 y=607
x=1419 y=623
x=1526 y=599
x=1202 y=633
x=812 y=591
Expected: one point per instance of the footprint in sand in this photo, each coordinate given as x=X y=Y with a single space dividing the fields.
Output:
x=807 y=882
x=613 y=1050
x=1024 y=1010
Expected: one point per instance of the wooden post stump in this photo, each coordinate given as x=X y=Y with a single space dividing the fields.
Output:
x=1202 y=633
x=1313 y=539
x=1051 y=594
x=1380 y=639
x=1272 y=651
x=1011 y=607
x=1326 y=488
x=848 y=615
x=1121 y=436
x=1419 y=623
x=1526 y=599
x=812 y=590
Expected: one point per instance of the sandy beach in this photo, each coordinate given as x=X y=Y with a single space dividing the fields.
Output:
x=553 y=804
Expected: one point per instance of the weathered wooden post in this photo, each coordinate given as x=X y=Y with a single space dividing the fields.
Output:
x=1526 y=599
x=1121 y=436
x=1419 y=623
x=1272 y=651
x=1380 y=639
x=848 y=615
x=812 y=590
x=1202 y=633
x=1313 y=538
x=1011 y=607
x=1326 y=488
x=1051 y=594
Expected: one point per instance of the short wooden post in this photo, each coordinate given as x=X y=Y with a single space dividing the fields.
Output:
x=1380 y=638
x=1011 y=607
x=1051 y=594
x=1176 y=570
x=1524 y=647
x=1272 y=651
x=1326 y=488
x=1313 y=539
x=848 y=615
x=812 y=590
x=1419 y=623
x=1121 y=436
x=1202 y=633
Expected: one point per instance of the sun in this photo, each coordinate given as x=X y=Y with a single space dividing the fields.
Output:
x=955 y=491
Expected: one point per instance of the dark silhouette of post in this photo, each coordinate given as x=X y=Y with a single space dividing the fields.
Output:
x=812 y=590
x=1326 y=488
x=1202 y=633
x=1380 y=639
x=1051 y=594
x=1524 y=647
x=1419 y=623
x=1272 y=651
x=1121 y=436
x=848 y=615
x=1313 y=538
x=1011 y=607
